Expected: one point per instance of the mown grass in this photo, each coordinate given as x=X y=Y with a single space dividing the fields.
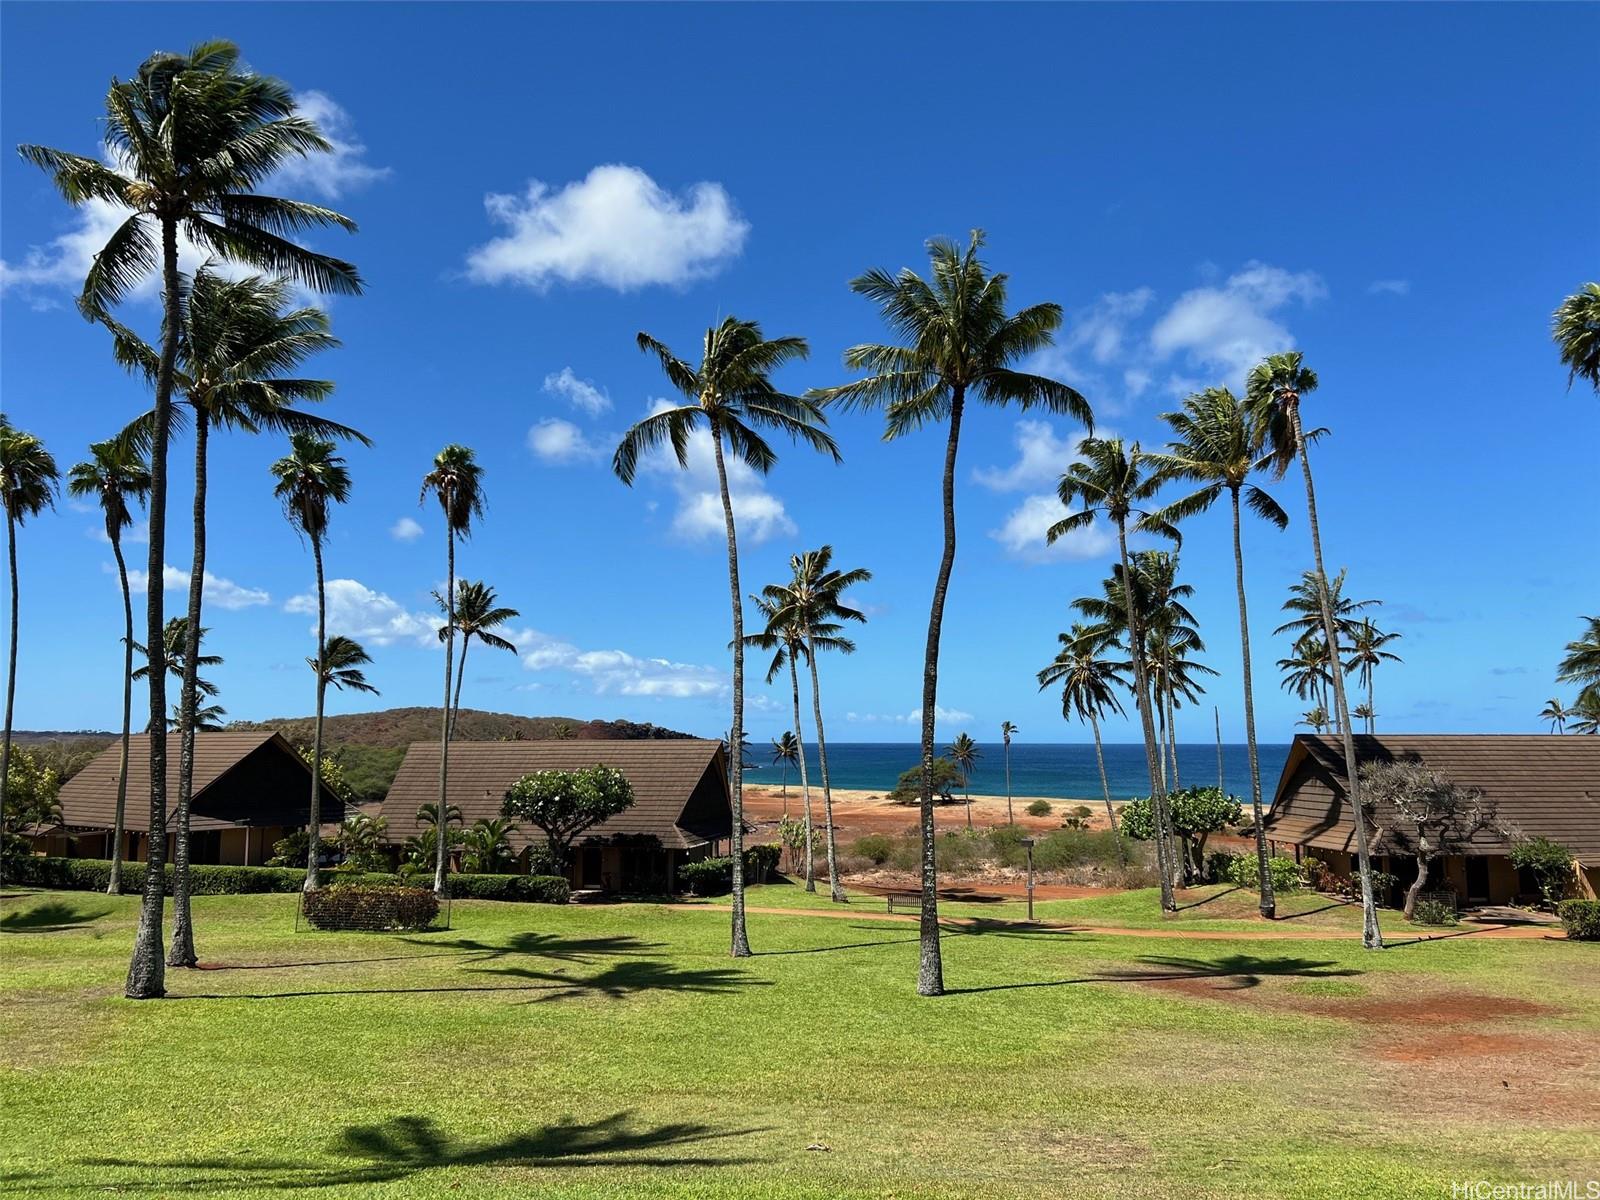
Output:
x=617 y=1050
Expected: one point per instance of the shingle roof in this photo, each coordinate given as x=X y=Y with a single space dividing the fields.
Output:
x=1542 y=785
x=223 y=796
x=665 y=776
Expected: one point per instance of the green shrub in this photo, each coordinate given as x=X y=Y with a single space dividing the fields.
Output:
x=708 y=877
x=1550 y=864
x=370 y=906
x=1039 y=808
x=958 y=849
x=528 y=889
x=291 y=851
x=1433 y=912
x=1076 y=848
x=93 y=874
x=1286 y=874
x=874 y=846
x=1581 y=918
x=760 y=862
x=1005 y=843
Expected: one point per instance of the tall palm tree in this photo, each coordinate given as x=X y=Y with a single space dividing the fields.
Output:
x=27 y=487
x=1366 y=714
x=731 y=396
x=456 y=481
x=786 y=754
x=1273 y=393
x=1217 y=443
x=965 y=754
x=783 y=636
x=1556 y=713
x=477 y=611
x=174 y=656
x=238 y=347
x=1307 y=671
x=338 y=664
x=1088 y=682
x=1581 y=664
x=1007 y=729
x=1171 y=635
x=308 y=481
x=1585 y=714
x=193 y=135
x=1367 y=644
x=1305 y=602
x=959 y=344
x=1576 y=329
x=114 y=474
x=1109 y=481
x=1314 y=718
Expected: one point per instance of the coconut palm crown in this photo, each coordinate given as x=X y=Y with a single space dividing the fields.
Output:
x=1575 y=326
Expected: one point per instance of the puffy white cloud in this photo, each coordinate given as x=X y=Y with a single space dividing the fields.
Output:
x=616 y=227
x=1023 y=532
x=344 y=168
x=1043 y=456
x=368 y=616
x=941 y=716
x=619 y=672
x=1102 y=329
x=405 y=529
x=223 y=593
x=1391 y=287
x=758 y=514
x=582 y=394
x=556 y=441
x=1230 y=327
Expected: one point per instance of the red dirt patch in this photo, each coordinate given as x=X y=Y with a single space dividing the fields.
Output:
x=1444 y=1008
x=1462 y=1045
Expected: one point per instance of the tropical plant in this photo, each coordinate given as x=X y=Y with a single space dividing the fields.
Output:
x=308 y=481
x=1576 y=329
x=1088 y=680
x=192 y=137
x=1273 y=393
x=958 y=343
x=784 y=638
x=486 y=847
x=1367 y=644
x=1556 y=712
x=1314 y=718
x=361 y=841
x=174 y=654
x=1421 y=811
x=1366 y=714
x=477 y=611
x=1307 y=672
x=1549 y=862
x=1581 y=664
x=565 y=804
x=115 y=474
x=1007 y=729
x=1585 y=714
x=731 y=397
x=27 y=487
x=965 y=754
x=456 y=481
x=1217 y=444
x=785 y=754
x=947 y=777
x=1197 y=813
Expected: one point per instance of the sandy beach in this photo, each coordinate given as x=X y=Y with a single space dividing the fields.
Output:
x=858 y=811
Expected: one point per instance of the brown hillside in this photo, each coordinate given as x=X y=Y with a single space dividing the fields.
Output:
x=397 y=728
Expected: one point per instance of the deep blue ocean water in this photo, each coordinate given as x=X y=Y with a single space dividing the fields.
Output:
x=1058 y=770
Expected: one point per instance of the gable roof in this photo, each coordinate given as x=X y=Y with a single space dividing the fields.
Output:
x=679 y=786
x=240 y=779
x=1542 y=785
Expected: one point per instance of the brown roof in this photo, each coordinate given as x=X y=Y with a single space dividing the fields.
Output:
x=240 y=779
x=1542 y=785
x=680 y=786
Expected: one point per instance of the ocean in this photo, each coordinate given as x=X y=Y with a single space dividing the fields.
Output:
x=1060 y=770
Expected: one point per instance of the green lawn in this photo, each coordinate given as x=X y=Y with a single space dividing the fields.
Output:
x=617 y=1051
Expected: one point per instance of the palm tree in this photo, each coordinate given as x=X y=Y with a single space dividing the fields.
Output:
x=1314 y=718
x=731 y=396
x=310 y=478
x=456 y=480
x=174 y=656
x=1367 y=644
x=1307 y=671
x=1304 y=601
x=338 y=664
x=1576 y=329
x=960 y=344
x=115 y=474
x=1006 y=730
x=1585 y=713
x=1366 y=714
x=193 y=136
x=486 y=847
x=477 y=611
x=783 y=636
x=238 y=346
x=1171 y=635
x=1581 y=664
x=785 y=754
x=1087 y=684
x=27 y=487
x=1273 y=392
x=965 y=754
x=1109 y=481
x=1556 y=713
x=1216 y=444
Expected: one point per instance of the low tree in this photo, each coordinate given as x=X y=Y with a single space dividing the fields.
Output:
x=486 y=847
x=565 y=804
x=1195 y=812
x=1421 y=811
x=945 y=775
x=1550 y=864
x=361 y=838
x=32 y=785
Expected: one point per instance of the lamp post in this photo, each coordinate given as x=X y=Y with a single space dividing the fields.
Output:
x=1027 y=844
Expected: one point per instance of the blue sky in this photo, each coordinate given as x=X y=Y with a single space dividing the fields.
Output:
x=1398 y=191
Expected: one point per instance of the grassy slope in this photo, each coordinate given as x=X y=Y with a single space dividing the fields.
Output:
x=617 y=1051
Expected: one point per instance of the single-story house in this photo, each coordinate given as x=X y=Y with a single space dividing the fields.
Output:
x=1542 y=785
x=682 y=808
x=250 y=790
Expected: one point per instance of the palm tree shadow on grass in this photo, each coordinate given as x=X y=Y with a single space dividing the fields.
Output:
x=1242 y=970
x=50 y=917
x=405 y=1146
x=627 y=978
x=1208 y=899
x=533 y=944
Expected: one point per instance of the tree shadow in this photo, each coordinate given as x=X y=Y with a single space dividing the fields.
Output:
x=1208 y=899
x=621 y=979
x=405 y=1146
x=831 y=949
x=533 y=944
x=1245 y=970
x=50 y=917
x=1311 y=912
x=326 y=962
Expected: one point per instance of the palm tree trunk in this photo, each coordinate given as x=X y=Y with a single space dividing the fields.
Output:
x=1371 y=938
x=1269 y=902
x=461 y=675
x=1172 y=730
x=835 y=892
x=146 y=968
x=181 y=953
x=740 y=947
x=114 y=887
x=442 y=829
x=11 y=671
x=1372 y=712
x=805 y=784
x=314 y=810
x=1010 y=820
x=930 y=962
x=1105 y=787
x=1152 y=756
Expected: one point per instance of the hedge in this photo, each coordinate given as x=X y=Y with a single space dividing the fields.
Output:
x=371 y=906
x=534 y=889
x=1581 y=918
x=714 y=876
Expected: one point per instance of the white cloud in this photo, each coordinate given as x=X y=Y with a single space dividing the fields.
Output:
x=1023 y=532
x=1231 y=327
x=556 y=441
x=138 y=532
x=617 y=227
x=405 y=530
x=941 y=715
x=1042 y=457
x=758 y=514
x=368 y=616
x=344 y=168
x=1136 y=380
x=1392 y=287
x=223 y=593
x=619 y=672
x=1102 y=329
x=580 y=393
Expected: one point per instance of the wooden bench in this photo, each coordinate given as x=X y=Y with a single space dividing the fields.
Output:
x=905 y=901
